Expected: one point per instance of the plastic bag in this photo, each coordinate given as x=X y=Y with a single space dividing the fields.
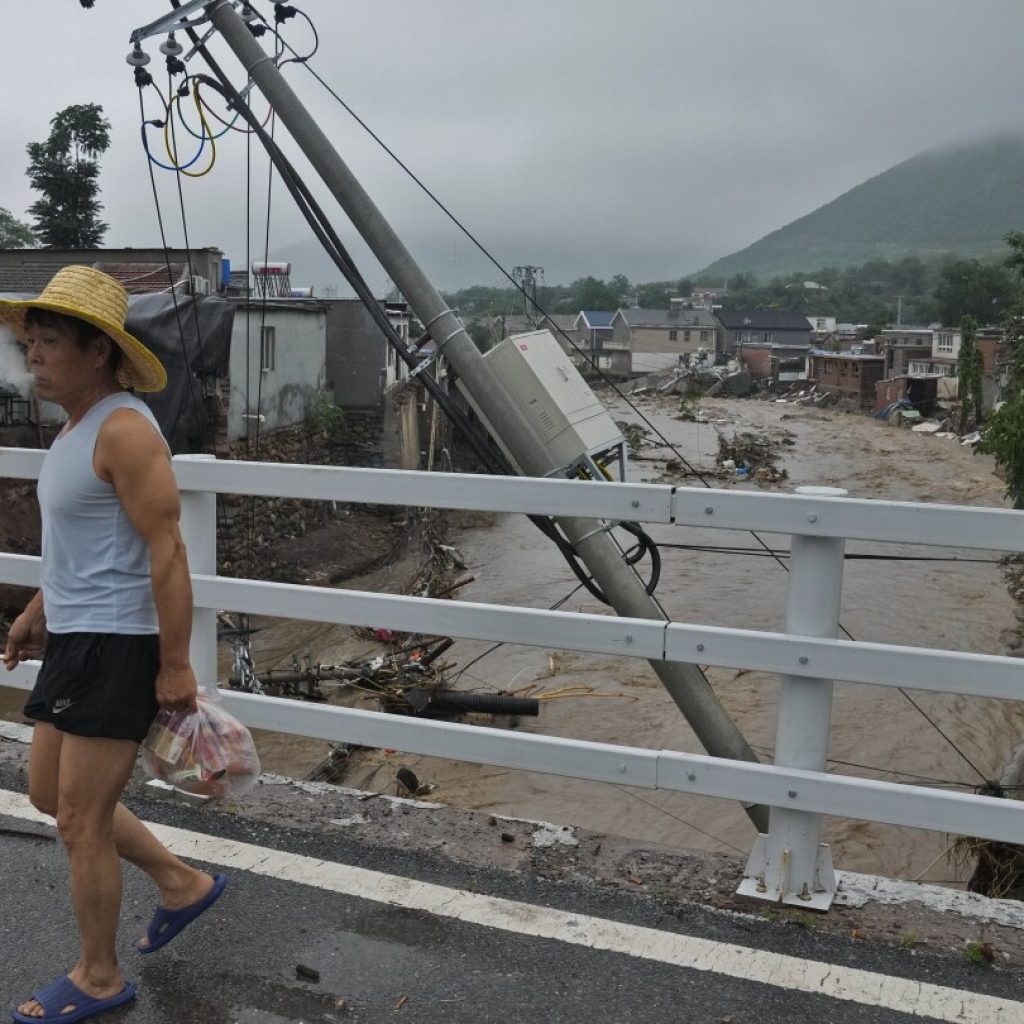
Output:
x=207 y=752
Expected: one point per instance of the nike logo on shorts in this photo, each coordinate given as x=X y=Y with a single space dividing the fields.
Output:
x=61 y=705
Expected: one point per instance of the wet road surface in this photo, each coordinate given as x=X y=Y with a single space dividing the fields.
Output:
x=419 y=938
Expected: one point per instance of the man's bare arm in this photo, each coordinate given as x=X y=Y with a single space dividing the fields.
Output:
x=133 y=457
x=27 y=634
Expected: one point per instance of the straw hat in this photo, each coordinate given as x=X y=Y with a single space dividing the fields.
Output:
x=97 y=298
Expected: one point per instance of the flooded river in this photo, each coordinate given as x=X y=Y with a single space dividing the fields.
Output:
x=876 y=731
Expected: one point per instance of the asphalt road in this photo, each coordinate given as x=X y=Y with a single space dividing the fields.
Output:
x=380 y=961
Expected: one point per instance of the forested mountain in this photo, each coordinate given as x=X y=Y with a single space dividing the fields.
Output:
x=960 y=201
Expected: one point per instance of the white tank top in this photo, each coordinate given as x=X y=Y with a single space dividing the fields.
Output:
x=95 y=566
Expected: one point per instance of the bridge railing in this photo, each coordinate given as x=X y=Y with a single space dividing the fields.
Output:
x=789 y=863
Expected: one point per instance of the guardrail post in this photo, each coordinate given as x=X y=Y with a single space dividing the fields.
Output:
x=791 y=864
x=199 y=532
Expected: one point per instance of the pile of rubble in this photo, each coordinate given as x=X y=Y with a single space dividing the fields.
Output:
x=804 y=393
x=754 y=456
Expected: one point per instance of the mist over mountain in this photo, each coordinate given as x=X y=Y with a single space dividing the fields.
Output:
x=955 y=200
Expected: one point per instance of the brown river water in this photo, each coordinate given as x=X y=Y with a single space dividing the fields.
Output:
x=876 y=732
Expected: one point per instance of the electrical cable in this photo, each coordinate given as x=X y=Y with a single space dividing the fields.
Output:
x=167 y=260
x=203 y=425
x=682 y=821
x=184 y=123
x=171 y=143
x=726 y=549
x=931 y=779
x=251 y=508
x=266 y=349
x=142 y=80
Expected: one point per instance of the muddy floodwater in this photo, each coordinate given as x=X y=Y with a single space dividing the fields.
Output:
x=876 y=731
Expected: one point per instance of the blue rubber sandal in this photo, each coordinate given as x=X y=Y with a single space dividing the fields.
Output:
x=166 y=924
x=64 y=992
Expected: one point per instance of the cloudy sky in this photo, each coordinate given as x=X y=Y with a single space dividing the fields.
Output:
x=642 y=138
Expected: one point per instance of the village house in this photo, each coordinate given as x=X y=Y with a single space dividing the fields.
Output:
x=822 y=327
x=172 y=304
x=767 y=343
x=901 y=345
x=846 y=374
x=277 y=366
x=142 y=271
x=592 y=328
x=648 y=340
x=361 y=365
x=942 y=359
x=559 y=324
x=704 y=297
x=786 y=333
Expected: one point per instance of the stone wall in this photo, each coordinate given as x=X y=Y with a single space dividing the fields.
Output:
x=254 y=524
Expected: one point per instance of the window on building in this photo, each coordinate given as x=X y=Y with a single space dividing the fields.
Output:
x=673 y=334
x=268 y=348
x=686 y=335
x=944 y=342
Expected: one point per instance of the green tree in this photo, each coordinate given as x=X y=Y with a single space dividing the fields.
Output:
x=480 y=332
x=969 y=372
x=970 y=288
x=1015 y=261
x=1004 y=436
x=13 y=233
x=65 y=170
x=592 y=293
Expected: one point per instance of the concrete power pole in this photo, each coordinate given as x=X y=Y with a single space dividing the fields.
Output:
x=686 y=684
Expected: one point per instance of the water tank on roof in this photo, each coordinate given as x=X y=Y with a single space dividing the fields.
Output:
x=275 y=268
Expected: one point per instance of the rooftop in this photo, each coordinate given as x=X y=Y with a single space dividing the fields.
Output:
x=637 y=317
x=763 y=319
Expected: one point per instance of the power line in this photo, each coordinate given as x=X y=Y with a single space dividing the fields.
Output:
x=682 y=821
x=726 y=549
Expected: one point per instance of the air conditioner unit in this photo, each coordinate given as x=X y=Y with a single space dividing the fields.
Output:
x=200 y=285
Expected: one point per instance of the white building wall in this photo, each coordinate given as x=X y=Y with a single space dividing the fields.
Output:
x=946 y=344
x=283 y=393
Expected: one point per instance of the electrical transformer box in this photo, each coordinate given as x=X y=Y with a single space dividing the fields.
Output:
x=541 y=380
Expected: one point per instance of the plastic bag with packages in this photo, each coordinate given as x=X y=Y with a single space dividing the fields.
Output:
x=207 y=752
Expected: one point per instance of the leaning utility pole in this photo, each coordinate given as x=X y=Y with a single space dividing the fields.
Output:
x=686 y=684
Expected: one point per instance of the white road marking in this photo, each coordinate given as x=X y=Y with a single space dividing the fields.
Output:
x=901 y=995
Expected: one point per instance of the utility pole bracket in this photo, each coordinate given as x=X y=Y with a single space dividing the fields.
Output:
x=174 y=21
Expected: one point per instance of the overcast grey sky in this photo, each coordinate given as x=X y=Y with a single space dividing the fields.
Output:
x=589 y=137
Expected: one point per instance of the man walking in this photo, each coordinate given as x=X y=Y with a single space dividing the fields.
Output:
x=112 y=622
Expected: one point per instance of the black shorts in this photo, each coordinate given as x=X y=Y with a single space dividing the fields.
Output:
x=97 y=684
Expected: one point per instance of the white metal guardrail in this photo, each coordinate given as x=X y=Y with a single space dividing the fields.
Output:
x=789 y=863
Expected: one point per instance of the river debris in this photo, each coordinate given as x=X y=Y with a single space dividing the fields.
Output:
x=754 y=456
x=636 y=436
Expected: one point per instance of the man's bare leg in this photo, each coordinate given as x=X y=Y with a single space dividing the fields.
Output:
x=92 y=774
x=180 y=884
